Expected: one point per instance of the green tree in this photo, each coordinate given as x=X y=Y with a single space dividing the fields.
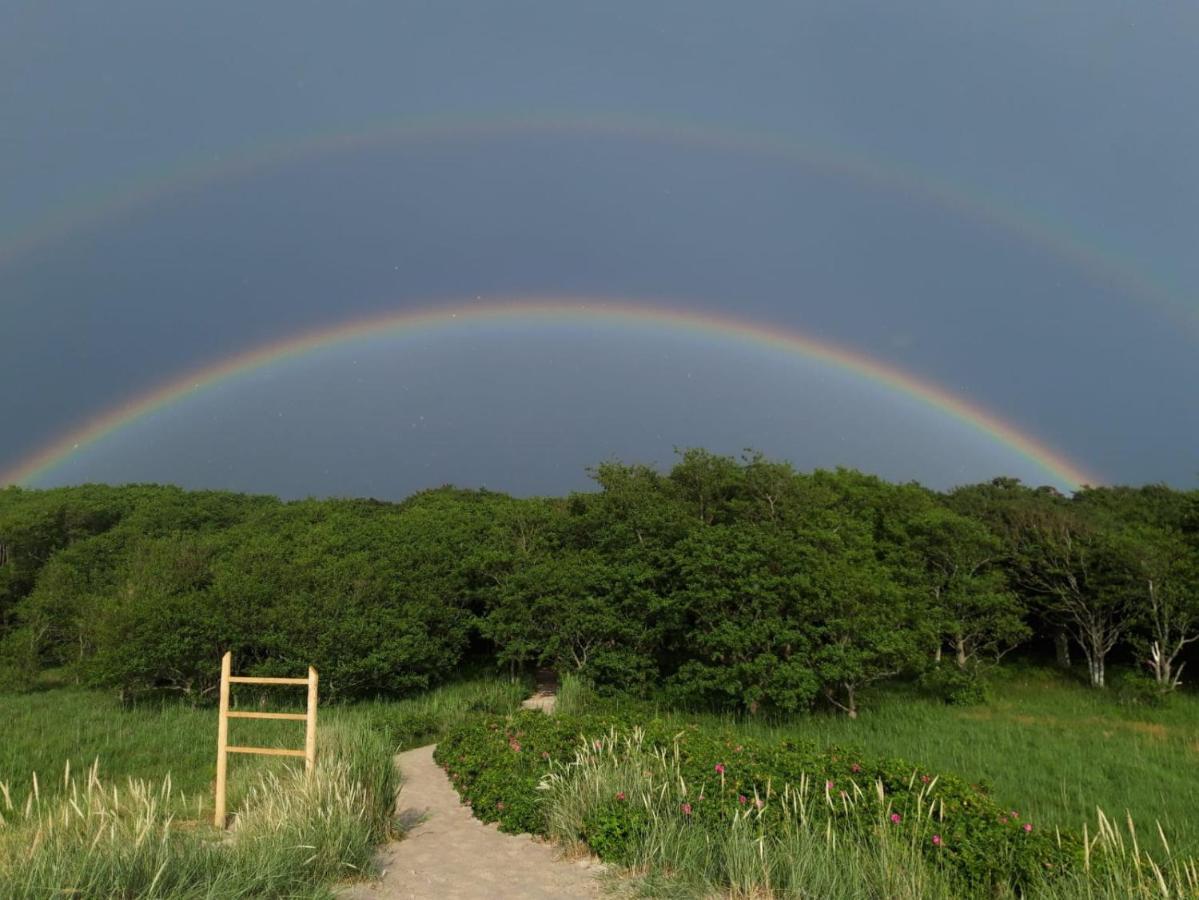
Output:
x=1160 y=573
x=748 y=637
x=960 y=568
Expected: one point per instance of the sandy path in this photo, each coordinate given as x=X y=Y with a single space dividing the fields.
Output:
x=448 y=853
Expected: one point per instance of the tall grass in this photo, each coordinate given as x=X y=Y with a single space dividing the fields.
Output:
x=1054 y=747
x=294 y=835
x=798 y=854
x=423 y=719
x=103 y=800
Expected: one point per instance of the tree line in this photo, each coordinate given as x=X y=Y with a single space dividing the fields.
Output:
x=725 y=582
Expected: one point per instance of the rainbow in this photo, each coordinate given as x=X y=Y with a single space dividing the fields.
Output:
x=1101 y=265
x=534 y=311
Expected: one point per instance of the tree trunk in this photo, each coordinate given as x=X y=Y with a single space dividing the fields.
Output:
x=1061 y=646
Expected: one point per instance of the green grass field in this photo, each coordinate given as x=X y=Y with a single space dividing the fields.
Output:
x=45 y=731
x=1054 y=747
x=1046 y=744
x=1049 y=747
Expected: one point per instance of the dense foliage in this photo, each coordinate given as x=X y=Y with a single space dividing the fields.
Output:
x=727 y=583
x=504 y=768
x=723 y=812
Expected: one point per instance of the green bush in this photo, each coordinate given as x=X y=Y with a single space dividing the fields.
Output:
x=1136 y=689
x=616 y=829
x=954 y=685
x=499 y=766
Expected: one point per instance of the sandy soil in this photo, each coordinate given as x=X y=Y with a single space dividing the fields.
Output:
x=448 y=853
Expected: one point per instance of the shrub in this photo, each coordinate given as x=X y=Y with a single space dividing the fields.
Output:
x=1137 y=689
x=506 y=768
x=954 y=685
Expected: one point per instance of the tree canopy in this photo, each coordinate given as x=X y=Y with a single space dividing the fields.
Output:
x=737 y=583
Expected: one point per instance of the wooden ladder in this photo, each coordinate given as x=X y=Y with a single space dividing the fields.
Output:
x=222 y=736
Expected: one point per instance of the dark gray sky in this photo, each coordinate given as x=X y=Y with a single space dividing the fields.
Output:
x=1073 y=122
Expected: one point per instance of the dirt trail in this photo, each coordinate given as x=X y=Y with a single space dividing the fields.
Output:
x=448 y=853
x=546 y=695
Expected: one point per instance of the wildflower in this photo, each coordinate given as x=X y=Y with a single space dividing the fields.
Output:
x=896 y=818
x=759 y=802
x=720 y=768
x=620 y=795
x=598 y=744
x=515 y=745
x=1027 y=827
x=545 y=754
x=828 y=785
x=924 y=779
x=936 y=840
x=855 y=768
x=686 y=808
x=741 y=798
x=1015 y=815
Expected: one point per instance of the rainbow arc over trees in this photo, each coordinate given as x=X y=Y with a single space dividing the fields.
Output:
x=534 y=312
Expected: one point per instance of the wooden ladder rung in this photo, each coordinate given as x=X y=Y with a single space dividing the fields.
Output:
x=265 y=751
x=291 y=717
x=252 y=679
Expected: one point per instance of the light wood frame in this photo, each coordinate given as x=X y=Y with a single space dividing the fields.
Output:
x=223 y=749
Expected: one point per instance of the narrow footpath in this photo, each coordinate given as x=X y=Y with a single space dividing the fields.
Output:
x=448 y=854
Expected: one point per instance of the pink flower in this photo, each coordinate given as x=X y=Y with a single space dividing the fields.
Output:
x=686 y=808
x=1015 y=815
x=620 y=795
x=720 y=768
x=828 y=785
x=1027 y=827
x=855 y=768
x=515 y=745
x=896 y=818
x=936 y=840
x=759 y=803
x=925 y=779
x=742 y=799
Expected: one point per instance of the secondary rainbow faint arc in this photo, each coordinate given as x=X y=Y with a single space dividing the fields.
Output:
x=1102 y=266
x=556 y=310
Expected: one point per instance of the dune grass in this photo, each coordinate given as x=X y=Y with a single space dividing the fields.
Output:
x=48 y=731
x=101 y=799
x=294 y=836
x=1043 y=742
x=625 y=796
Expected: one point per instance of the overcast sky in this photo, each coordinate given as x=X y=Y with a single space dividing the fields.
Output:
x=1001 y=199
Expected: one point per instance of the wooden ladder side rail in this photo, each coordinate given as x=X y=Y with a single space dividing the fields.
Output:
x=223 y=749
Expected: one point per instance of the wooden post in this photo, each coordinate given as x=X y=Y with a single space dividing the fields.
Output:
x=310 y=727
x=222 y=742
